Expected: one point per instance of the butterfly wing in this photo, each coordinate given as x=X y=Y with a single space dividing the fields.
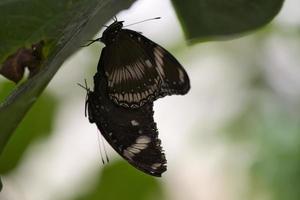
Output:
x=140 y=71
x=132 y=81
x=131 y=132
x=174 y=77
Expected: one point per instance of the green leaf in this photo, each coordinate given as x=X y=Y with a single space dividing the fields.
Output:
x=205 y=19
x=119 y=180
x=64 y=25
x=33 y=127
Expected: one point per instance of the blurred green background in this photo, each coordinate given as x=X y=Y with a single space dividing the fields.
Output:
x=235 y=136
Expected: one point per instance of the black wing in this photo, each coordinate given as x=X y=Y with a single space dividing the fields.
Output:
x=140 y=71
x=174 y=77
x=131 y=132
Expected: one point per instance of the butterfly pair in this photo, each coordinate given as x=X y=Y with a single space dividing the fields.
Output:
x=132 y=72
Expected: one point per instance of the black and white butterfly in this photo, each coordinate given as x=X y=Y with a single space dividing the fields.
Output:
x=139 y=70
x=131 y=132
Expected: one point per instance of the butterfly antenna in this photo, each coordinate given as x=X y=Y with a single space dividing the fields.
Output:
x=100 y=151
x=91 y=42
x=143 y=21
x=85 y=87
x=86 y=97
x=107 y=159
x=115 y=18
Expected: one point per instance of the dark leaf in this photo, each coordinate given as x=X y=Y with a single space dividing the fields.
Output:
x=205 y=19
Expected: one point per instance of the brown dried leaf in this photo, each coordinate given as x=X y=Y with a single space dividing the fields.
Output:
x=14 y=66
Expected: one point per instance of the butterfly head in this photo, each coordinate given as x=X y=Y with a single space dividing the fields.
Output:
x=110 y=34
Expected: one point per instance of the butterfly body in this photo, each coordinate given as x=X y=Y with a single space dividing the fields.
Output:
x=139 y=70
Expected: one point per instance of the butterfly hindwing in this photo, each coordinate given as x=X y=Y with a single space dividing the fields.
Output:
x=131 y=132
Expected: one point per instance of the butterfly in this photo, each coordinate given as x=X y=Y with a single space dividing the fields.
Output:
x=137 y=69
x=131 y=132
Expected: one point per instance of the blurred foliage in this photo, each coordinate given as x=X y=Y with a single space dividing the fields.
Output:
x=64 y=25
x=274 y=132
x=119 y=180
x=277 y=167
x=269 y=123
x=206 y=19
x=5 y=88
x=37 y=124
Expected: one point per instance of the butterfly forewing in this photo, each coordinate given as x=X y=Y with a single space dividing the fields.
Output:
x=174 y=77
x=131 y=132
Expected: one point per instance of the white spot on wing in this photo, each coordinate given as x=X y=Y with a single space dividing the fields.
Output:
x=134 y=123
x=148 y=63
x=138 y=95
x=141 y=143
x=128 y=154
x=155 y=165
x=121 y=97
x=130 y=97
x=139 y=146
x=133 y=150
x=181 y=75
x=126 y=97
x=143 y=140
